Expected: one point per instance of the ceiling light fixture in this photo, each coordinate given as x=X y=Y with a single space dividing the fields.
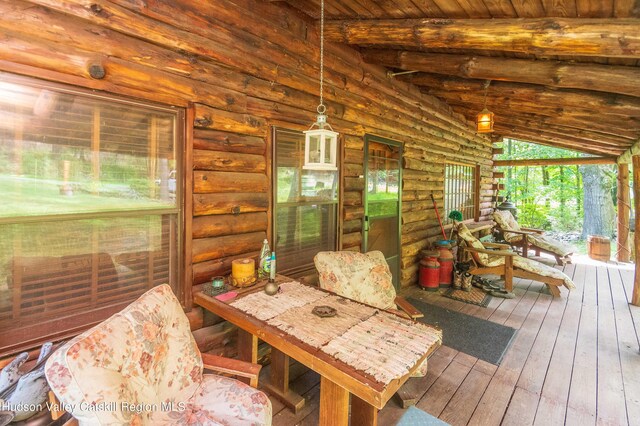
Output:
x=484 y=120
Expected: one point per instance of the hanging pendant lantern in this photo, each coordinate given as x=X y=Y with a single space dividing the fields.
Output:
x=321 y=143
x=484 y=120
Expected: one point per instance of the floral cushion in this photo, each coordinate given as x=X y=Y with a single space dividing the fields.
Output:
x=535 y=267
x=472 y=241
x=506 y=221
x=132 y=363
x=364 y=277
x=220 y=401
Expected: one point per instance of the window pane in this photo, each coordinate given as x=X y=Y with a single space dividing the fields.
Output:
x=91 y=212
x=459 y=187
x=70 y=153
x=306 y=204
x=303 y=231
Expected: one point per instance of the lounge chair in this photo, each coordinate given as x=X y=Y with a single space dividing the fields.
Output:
x=530 y=238
x=508 y=264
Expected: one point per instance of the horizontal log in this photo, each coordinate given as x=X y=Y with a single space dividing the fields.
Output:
x=228 y=142
x=561 y=74
x=542 y=36
x=228 y=224
x=211 y=118
x=420 y=185
x=352 y=213
x=352 y=170
x=555 y=161
x=215 y=182
x=205 y=204
x=228 y=161
x=353 y=184
x=353 y=239
x=204 y=249
x=497 y=151
x=352 y=198
x=352 y=226
x=204 y=271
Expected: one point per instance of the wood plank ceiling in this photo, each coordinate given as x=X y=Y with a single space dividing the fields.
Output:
x=564 y=73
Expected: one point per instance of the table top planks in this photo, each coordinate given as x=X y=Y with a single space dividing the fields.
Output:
x=356 y=382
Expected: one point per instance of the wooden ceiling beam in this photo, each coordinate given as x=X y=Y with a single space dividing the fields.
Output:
x=588 y=130
x=539 y=36
x=581 y=117
x=562 y=142
x=553 y=133
x=595 y=102
x=586 y=134
x=602 y=78
x=555 y=144
x=567 y=123
x=554 y=161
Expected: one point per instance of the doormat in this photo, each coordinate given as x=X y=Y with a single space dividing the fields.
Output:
x=476 y=296
x=474 y=336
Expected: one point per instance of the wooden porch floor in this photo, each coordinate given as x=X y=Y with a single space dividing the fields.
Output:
x=575 y=360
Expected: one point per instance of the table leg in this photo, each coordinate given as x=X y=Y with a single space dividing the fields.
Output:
x=279 y=383
x=247 y=350
x=363 y=413
x=334 y=404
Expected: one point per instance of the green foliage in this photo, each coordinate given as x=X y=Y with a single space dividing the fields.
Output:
x=548 y=197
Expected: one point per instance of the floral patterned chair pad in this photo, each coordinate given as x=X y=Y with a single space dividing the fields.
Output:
x=364 y=277
x=142 y=367
x=506 y=221
x=518 y=261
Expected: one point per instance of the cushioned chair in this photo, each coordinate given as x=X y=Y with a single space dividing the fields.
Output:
x=504 y=262
x=366 y=278
x=142 y=366
x=530 y=238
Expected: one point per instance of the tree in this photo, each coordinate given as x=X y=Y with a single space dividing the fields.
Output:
x=599 y=213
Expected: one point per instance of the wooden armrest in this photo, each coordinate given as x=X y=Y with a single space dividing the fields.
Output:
x=534 y=230
x=497 y=245
x=513 y=231
x=408 y=308
x=498 y=252
x=232 y=366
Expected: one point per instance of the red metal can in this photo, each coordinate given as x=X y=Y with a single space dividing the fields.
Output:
x=429 y=271
x=445 y=258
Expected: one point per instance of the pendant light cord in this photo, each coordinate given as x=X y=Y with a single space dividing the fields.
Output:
x=486 y=87
x=321 y=108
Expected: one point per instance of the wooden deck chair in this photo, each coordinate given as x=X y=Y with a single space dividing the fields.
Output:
x=531 y=239
x=509 y=264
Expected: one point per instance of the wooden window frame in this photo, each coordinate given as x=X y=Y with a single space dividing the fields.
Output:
x=303 y=270
x=472 y=186
x=67 y=326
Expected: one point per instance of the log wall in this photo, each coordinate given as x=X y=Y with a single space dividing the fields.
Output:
x=243 y=66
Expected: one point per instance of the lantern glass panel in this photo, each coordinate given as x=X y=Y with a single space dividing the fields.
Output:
x=314 y=148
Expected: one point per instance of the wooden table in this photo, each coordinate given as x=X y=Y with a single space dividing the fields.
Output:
x=338 y=379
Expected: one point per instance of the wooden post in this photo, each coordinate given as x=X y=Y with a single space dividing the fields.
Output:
x=635 y=298
x=622 y=251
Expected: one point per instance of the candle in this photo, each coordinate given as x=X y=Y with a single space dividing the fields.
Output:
x=243 y=271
